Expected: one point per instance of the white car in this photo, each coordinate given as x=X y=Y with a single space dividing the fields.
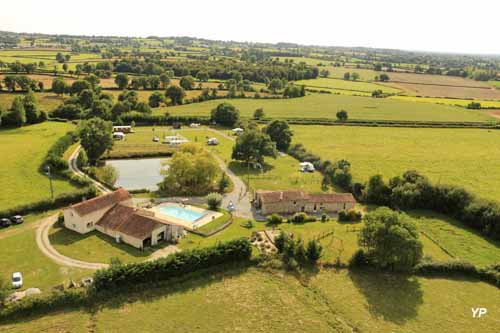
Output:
x=17 y=280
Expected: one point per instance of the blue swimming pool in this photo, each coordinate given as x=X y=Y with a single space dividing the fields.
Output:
x=181 y=213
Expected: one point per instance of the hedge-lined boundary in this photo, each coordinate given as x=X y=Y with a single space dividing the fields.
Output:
x=126 y=155
x=175 y=265
x=489 y=274
x=388 y=123
x=54 y=155
x=61 y=200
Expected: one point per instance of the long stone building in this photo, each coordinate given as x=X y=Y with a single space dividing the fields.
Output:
x=291 y=202
x=114 y=215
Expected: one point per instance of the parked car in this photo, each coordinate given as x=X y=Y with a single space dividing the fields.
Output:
x=17 y=280
x=156 y=139
x=17 y=219
x=4 y=223
x=212 y=142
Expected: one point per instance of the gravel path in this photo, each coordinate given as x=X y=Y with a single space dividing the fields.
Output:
x=43 y=242
x=74 y=168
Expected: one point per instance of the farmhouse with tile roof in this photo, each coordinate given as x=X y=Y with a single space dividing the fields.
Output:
x=291 y=202
x=114 y=215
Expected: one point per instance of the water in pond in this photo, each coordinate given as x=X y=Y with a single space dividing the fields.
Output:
x=138 y=173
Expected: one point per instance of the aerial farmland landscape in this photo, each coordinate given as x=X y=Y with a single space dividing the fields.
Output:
x=221 y=167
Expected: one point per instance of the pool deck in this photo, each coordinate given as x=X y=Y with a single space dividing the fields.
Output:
x=208 y=215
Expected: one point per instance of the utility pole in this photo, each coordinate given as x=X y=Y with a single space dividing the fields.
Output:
x=50 y=181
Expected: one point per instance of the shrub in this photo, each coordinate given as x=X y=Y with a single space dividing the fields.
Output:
x=223 y=183
x=302 y=217
x=178 y=264
x=82 y=160
x=62 y=200
x=275 y=219
x=314 y=251
x=324 y=218
x=350 y=216
x=214 y=201
x=359 y=259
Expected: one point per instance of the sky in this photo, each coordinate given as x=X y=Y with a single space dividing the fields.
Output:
x=454 y=26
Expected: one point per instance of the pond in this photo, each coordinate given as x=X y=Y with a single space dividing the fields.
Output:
x=136 y=174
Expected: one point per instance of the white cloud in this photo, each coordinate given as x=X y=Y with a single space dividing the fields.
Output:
x=437 y=25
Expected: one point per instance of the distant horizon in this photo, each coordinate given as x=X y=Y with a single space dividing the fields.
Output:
x=444 y=26
x=253 y=42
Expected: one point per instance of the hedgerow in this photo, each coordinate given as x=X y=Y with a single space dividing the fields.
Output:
x=120 y=276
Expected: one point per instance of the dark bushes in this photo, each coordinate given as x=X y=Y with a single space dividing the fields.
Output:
x=175 y=265
x=414 y=191
x=62 y=200
x=490 y=274
x=54 y=156
x=349 y=216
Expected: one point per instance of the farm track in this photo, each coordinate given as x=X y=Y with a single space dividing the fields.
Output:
x=43 y=242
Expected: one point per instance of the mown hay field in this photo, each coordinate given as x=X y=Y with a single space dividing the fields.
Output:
x=340 y=84
x=463 y=157
x=427 y=90
x=327 y=105
x=23 y=150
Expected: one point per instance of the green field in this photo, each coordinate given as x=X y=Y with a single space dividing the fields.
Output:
x=253 y=300
x=20 y=253
x=281 y=173
x=461 y=241
x=327 y=105
x=340 y=84
x=46 y=101
x=448 y=101
x=464 y=157
x=93 y=247
x=23 y=150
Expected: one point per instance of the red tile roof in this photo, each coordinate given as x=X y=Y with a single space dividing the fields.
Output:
x=129 y=221
x=89 y=206
x=287 y=196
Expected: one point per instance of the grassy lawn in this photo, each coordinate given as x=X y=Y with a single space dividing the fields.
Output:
x=253 y=300
x=21 y=254
x=341 y=244
x=462 y=242
x=94 y=247
x=464 y=157
x=376 y=302
x=327 y=105
x=141 y=142
x=23 y=150
x=213 y=225
x=281 y=173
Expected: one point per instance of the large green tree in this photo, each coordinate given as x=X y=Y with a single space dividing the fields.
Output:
x=31 y=108
x=279 y=132
x=121 y=81
x=252 y=146
x=225 y=114
x=96 y=136
x=17 y=114
x=391 y=239
x=187 y=82
x=176 y=94
x=59 y=86
x=192 y=170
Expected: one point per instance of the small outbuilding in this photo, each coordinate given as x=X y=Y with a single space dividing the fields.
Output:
x=238 y=130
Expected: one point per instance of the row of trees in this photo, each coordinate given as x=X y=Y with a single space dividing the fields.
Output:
x=21 y=82
x=24 y=110
x=414 y=191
